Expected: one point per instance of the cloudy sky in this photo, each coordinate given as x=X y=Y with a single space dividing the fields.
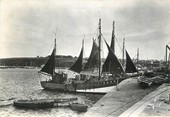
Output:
x=26 y=26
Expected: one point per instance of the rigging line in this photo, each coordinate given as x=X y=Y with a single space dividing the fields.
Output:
x=116 y=40
x=118 y=43
x=102 y=49
x=95 y=32
x=119 y=46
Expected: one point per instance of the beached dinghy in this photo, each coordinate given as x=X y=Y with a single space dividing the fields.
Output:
x=79 y=107
x=41 y=103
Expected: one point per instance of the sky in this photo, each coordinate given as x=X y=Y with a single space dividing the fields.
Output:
x=26 y=27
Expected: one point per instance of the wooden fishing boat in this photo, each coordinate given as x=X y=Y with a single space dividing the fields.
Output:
x=150 y=78
x=144 y=81
x=31 y=104
x=79 y=107
x=92 y=74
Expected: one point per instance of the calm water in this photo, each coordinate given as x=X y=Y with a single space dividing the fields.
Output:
x=25 y=84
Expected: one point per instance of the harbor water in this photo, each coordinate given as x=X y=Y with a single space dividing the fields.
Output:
x=20 y=83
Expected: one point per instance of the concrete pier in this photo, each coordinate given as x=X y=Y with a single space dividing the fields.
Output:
x=156 y=104
x=115 y=102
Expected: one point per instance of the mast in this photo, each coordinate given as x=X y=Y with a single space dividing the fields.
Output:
x=55 y=32
x=166 y=56
x=54 y=55
x=137 y=60
x=83 y=44
x=113 y=38
x=99 y=39
x=123 y=50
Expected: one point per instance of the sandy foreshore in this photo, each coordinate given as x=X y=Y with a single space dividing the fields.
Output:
x=116 y=102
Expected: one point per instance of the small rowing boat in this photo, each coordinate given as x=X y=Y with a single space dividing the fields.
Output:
x=41 y=103
x=79 y=107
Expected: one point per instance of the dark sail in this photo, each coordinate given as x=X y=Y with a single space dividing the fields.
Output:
x=130 y=67
x=77 y=66
x=49 y=67
x=112 y=64
x=92 y=65
x=107 y=63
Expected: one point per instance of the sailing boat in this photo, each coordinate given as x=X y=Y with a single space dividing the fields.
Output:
x=49 y=70
x=92 y=70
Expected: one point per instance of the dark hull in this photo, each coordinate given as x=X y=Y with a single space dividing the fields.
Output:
x=148 y=81
x=32 y=104
x=79 y=86
x=78 y=107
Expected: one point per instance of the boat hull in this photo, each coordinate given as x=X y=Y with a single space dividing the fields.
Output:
x=145 y=81
x=32 y=104
x=78 y=107
x=144 y=84
x=79 y=86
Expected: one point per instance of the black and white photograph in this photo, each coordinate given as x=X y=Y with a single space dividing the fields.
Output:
x=84 y=58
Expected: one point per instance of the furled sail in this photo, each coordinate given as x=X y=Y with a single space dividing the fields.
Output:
x=49 y=67
x=130 y=67
x=113 y=66
x=77 y=66
x=92 y=66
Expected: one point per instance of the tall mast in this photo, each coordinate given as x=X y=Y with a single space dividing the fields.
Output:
x=54 y=51
x=113 y=38
x=123 y=50
x=166 y=56
x=83 y=44
x=55 y=32
x=137 y=56
x=83 y=41
x=99 y=39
